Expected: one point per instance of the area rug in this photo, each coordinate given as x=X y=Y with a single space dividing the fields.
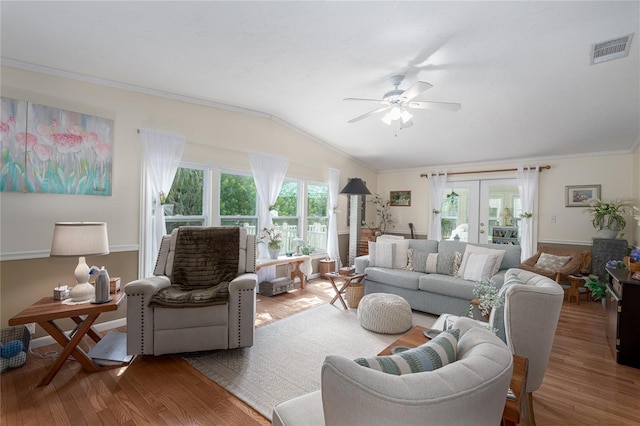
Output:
x=287 y=355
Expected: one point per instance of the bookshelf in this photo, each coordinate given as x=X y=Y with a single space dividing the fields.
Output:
x=505 y=235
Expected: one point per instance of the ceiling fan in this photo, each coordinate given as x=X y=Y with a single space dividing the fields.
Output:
x=397 y=102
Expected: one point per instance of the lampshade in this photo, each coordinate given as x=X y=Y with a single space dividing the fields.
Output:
x=355 y=186
x=80 y=239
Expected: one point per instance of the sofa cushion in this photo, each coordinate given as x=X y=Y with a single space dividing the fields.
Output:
x=381 y=254
x=430 y=356
x=449 y=263
x=395 y=277
x=417 y=260
x=551 y=262
x=401 y=254
x=480 y=266
x=432 y=263
x=430 y=246
x=447 y=286
x=482 y=250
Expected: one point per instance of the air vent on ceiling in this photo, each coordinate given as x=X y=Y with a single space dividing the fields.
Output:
x=611 y=49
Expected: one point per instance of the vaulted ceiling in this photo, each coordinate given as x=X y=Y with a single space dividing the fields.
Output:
x=521 y=70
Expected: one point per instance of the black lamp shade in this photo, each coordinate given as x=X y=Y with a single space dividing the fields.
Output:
x=355 y=186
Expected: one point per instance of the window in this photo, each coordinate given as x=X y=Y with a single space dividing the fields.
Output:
x=185 y=204
x=317 y=217
x=287 y=218
x=238 y=201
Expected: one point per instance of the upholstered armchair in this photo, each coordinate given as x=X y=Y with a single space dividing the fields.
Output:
x=527 y=322
x=185 y=321
x=470 y=390
x=577 y=260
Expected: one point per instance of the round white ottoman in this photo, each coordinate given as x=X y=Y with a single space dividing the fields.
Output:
x=384 y=313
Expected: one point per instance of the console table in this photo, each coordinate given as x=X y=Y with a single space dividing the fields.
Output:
x=295 y=261
x=623 y=317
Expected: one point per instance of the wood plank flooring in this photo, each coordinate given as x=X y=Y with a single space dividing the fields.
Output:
x=583 y=384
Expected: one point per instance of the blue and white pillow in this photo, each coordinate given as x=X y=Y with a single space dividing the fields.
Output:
x=434 y=354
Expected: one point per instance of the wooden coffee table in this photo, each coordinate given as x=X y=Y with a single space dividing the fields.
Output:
x=47 y=310
x=512 y=409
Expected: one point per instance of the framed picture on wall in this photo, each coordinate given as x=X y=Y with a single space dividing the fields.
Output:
x=579 y=195
x=400 y=198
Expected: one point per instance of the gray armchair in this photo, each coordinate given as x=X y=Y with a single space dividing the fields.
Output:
x=154 y=329
x=527 y=322
x=471 y=390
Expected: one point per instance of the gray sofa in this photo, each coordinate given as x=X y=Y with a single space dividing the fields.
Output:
x=435 y=293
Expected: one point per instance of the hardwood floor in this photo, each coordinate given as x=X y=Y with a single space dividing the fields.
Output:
x=583 y=384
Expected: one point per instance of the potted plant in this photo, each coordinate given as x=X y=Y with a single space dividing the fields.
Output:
x=487 y=298
x=598 y=289
x=383 y=211
x=272 y=237
x=608 y=218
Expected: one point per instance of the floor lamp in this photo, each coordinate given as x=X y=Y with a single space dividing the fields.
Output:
x=355 y=188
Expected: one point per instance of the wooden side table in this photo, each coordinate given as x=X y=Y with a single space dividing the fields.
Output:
x=47 y=310
x=577 y=287
x=348 y=280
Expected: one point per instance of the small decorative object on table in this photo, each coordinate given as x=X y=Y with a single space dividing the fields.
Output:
x=632 y=262
x=347 y=270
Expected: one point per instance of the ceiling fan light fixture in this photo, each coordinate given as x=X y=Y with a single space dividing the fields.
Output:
x=405 y=116
x=386 y=119
x=395 y=113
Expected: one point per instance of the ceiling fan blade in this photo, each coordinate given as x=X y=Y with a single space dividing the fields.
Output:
x=417 y=88
x=363 y=99
x=443 y=106
x=370 y=113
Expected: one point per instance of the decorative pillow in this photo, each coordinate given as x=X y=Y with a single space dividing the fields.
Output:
x=457 y=261
x=480 y=267
x=417 y=260
x=432 y=263
x=551 y=262
x=476 y=249
x=446 y=263
x=401 y=253
x=430 y=356
x=382 y=254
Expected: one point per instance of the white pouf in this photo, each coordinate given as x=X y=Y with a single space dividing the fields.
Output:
x=384 y=313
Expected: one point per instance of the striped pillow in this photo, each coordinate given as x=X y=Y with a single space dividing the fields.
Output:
x=432 y=355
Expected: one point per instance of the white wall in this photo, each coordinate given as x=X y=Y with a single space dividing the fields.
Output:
x=214 y=137
x=618 y=175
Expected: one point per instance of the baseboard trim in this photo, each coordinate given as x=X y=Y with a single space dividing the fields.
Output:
x=108 y=325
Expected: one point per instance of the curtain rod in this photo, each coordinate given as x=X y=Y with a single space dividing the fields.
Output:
x=547 y=167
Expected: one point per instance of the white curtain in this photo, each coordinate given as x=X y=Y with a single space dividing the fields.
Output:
x=333 y=249
x=268 y=173
x=437 y=187
x=162 y=153
x=527 y=186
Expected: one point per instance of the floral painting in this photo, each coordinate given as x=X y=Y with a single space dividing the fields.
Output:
x=54 y=151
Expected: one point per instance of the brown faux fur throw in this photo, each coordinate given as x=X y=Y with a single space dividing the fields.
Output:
x=205 y=261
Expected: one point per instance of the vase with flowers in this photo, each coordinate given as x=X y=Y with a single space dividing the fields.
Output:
x=609 y=218
x=272 y=237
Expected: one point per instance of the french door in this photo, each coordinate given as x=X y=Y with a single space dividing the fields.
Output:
x=482 y=211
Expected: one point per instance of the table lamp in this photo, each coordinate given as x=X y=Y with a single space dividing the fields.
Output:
x=80 y=239
x=355 y=188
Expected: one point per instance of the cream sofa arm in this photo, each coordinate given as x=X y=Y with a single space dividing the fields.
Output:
x=140 y=314
x=242 y=310
x=146 y=286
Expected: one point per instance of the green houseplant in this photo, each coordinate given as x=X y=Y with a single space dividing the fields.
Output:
x=608 y=218
x=597 y=287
